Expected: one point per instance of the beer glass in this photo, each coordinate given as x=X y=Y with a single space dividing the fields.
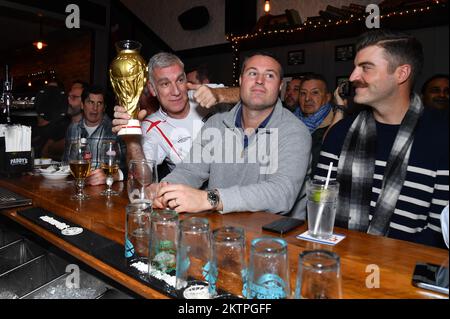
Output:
x=142 y=183
x=318 y=275
x=229 y=261
x=80 y=165
x=194 y=263
x=268 y=274
x=110 y=165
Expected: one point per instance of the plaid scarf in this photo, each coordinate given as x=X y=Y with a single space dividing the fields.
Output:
x=313 y=121
x=356 y=168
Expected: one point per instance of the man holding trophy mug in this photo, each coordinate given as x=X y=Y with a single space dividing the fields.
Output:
x=168 y=133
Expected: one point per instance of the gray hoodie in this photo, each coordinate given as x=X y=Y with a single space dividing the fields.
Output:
x=265 y=176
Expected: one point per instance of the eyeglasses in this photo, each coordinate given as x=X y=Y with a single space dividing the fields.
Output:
x=74 y=97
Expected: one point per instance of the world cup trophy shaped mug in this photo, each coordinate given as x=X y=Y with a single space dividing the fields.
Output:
x=128 y=75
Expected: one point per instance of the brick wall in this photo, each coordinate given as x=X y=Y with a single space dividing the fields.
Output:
x=70 y=58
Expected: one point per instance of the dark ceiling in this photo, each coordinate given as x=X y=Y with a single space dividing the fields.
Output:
x=19 y=29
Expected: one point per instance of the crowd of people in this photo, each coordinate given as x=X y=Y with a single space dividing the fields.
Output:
x=390 y=156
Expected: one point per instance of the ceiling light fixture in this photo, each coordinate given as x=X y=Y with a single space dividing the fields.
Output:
x=40 y=43
x=267 y=6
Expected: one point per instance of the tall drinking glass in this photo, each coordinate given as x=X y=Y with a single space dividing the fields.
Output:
x=163 y=241
x=321 y=207
x=268 y=274
x=142 y=184
x=137 y=232
x=80 y=165
x=194 y=262
x=110 y=165
x=229 y=260
x=318 y=275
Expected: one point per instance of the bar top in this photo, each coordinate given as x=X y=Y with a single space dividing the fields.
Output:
x=361 y=254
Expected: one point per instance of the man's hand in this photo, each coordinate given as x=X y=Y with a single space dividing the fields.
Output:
x=208 y=97
x=338 y=99
x=153 y=191
x=133 y=142
x=96 y=177
x=204 y=95
x=121 y=118
x=182 y=198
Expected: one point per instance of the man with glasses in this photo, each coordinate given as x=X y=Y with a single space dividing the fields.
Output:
x=96 y=127
x=74 y=99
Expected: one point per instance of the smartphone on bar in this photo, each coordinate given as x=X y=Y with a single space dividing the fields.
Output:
x=432 y=277
x=283 y=225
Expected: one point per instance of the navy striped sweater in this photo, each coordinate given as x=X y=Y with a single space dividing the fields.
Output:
x=425 y=191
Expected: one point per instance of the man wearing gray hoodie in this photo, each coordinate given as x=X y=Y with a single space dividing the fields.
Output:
x=252 y=158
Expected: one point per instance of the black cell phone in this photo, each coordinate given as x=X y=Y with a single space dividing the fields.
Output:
x=431 y=277
x=283 y=225
x=346 y=89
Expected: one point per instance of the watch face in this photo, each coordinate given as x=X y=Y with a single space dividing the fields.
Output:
x=213 y=198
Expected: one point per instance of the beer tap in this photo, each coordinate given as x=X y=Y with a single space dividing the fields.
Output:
x=7 y=97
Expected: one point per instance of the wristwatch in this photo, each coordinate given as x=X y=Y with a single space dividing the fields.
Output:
x=213 y=197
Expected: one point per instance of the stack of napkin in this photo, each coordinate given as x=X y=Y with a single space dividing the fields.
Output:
x=17 y=137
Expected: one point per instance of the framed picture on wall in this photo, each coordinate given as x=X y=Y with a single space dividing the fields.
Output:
x=344 y=52
x=285 y=81
x=296 y=57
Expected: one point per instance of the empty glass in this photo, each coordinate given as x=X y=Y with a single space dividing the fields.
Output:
x=229 y=261
x=268 y=274
x=137 y=232
x=194 y=259
x=142 y=181
x=163 y=240
x=318 y=275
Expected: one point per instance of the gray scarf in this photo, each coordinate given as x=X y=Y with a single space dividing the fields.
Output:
x=356 y=168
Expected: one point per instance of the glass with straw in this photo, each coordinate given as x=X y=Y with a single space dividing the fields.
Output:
x=321 y=206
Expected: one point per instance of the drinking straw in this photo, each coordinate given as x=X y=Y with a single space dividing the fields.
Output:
x=321 y=207
x=328 y=175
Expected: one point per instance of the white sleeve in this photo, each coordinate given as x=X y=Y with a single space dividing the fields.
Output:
x=153 y=150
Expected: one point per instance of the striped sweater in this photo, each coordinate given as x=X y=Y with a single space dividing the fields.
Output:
x=425 y=191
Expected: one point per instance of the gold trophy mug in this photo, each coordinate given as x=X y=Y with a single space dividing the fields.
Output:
x=128 y=75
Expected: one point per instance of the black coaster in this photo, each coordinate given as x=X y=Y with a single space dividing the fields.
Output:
x=99 y=247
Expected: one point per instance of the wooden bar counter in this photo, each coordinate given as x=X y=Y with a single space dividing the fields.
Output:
x=358 y=251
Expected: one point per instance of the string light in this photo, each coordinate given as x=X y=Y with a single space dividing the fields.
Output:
x=308 y=25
